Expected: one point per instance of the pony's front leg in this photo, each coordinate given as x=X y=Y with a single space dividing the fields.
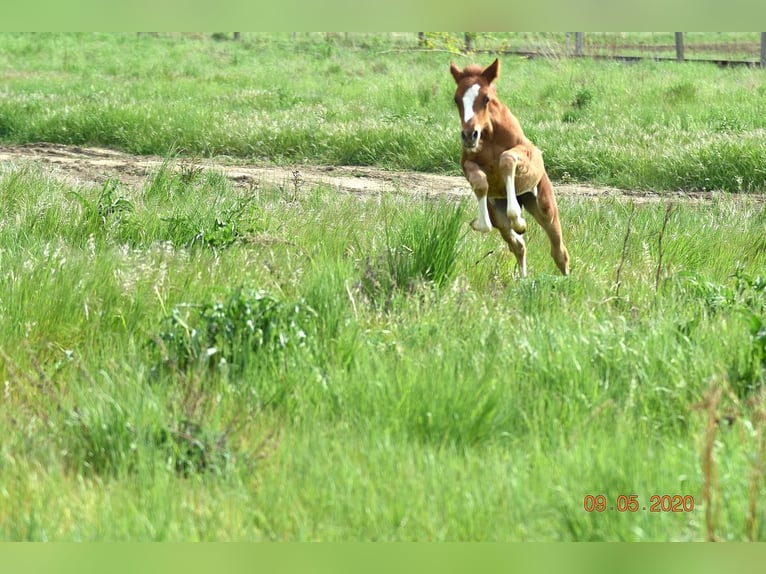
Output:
x=509 y=160
x=478 y=180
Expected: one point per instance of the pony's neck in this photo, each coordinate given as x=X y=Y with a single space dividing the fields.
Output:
x=506 y=128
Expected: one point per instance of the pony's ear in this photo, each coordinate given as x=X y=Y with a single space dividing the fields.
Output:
x=456 y=72
x=492 y=71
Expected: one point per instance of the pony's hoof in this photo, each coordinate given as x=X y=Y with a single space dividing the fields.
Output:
x=476 y=226
x=519 y=226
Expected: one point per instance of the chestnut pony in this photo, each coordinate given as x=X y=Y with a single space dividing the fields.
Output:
x=504 y=168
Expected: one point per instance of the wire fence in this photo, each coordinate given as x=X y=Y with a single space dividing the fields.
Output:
x=723 y=48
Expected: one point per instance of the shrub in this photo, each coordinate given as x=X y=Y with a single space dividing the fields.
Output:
x=248 y=323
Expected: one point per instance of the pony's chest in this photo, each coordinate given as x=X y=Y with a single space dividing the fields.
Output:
x=496 y=183
x=488 y=161
x=495 y=179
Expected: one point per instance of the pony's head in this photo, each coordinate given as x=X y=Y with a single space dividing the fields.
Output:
x=474 y=97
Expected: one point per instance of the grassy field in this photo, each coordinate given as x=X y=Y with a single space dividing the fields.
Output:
x=371 y=101
x=190 y=360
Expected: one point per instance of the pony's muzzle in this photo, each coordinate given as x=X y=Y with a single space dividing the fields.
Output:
x=470 y=138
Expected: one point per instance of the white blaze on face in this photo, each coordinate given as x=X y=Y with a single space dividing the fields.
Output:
x=469 y=97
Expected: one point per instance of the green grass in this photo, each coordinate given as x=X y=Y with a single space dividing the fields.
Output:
x=159 y=386
x=189 y=360
x=373 y=100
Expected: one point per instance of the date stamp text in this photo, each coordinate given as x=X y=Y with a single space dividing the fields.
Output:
x=631 y=503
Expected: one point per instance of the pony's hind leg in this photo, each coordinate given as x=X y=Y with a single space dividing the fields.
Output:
x=545 y=211
x=516 y=243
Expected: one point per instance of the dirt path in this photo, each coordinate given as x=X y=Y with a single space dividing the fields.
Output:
x=93 y=166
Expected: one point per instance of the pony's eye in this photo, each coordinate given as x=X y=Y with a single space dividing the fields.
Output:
x=486 y=100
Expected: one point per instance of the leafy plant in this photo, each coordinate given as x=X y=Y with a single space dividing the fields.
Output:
x=246 y=324
x=192 y=448
x=581 y=101
x=97 y=212
x=751 y=293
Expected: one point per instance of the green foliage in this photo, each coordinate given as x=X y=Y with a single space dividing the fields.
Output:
x=389 y=379
x=423 y=247
x=681 y=93
x=743 y=297
x=96 y=213
x=433 y=383
x=578 y=106
x=645 y=125
x=581 y=101
x=124 y=435
x=751 y=295
x=230 y=334
x=194 y=449
x=99 y=439
x=452 y=42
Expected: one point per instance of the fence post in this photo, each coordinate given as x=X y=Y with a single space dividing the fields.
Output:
x=236 y=35
x=421 y=38
x=468 y=37
x=763 y=50
x=578 y=43
x=680 y=46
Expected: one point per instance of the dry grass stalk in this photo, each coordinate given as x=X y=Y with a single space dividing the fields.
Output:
x=617 y=280
x=710 y=404
x=759 y=422
x=668 y=211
